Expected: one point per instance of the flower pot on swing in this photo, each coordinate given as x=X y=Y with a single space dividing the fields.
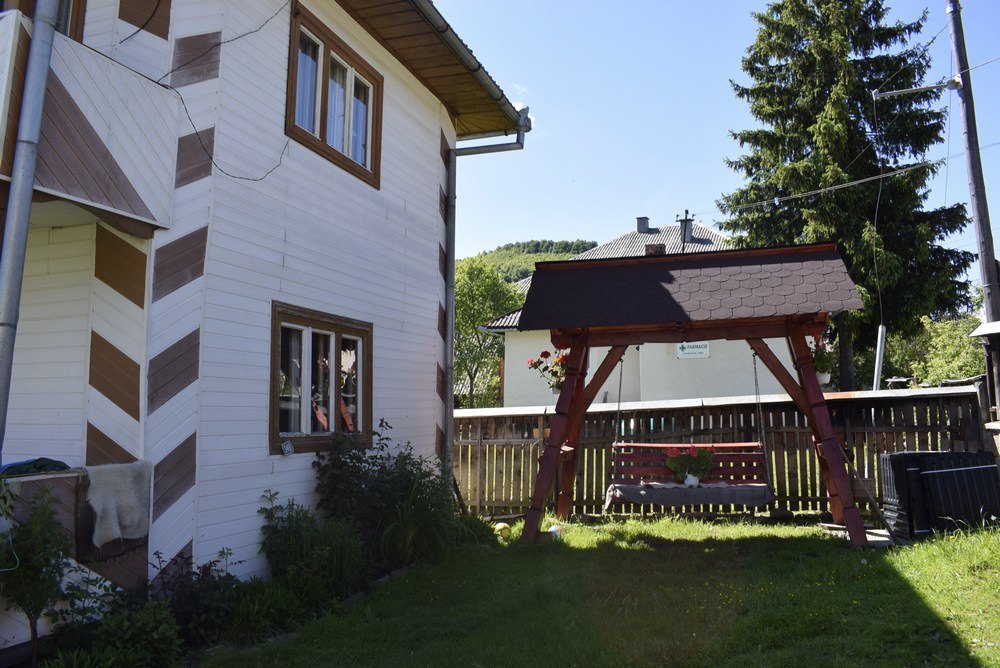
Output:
x=823 y=377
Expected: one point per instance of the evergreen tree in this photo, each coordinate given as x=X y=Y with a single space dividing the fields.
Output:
x=812 y=70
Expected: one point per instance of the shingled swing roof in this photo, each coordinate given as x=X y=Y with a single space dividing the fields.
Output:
x=672 y=290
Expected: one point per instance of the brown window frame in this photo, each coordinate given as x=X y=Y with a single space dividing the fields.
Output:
x=78 y=12
x=289 y=314
x=330 y=45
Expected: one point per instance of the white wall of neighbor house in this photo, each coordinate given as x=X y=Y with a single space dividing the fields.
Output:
x=48 y=405
x=523 y=386
x=312 y=235
x=653 y=372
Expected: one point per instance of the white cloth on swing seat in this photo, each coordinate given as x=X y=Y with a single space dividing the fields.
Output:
x=677 y=494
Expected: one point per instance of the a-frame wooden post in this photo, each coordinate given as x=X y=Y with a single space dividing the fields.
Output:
x=574 y=400
x=838 y=481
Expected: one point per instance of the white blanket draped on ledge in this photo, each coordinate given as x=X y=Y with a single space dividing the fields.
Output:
x=119 y=495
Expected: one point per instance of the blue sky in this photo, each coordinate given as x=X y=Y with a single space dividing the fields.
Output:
x=632 y=107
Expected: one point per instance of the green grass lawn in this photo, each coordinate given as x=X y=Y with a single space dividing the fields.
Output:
x=673 y=592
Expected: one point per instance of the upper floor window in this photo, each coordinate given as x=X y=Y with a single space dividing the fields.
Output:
x=334 y=98
x=321 y=377
x=69 y=15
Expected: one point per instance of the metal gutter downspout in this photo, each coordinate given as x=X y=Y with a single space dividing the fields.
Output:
x=523 y=126
x=22 y=184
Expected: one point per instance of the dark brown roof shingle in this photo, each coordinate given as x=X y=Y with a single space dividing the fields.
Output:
x=712 y=286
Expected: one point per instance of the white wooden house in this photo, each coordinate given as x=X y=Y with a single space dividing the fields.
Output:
x=653 y=372
x=233 y=198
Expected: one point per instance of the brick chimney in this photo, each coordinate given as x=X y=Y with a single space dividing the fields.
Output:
x=687 y=228
x=656 y=249
x=642 y=224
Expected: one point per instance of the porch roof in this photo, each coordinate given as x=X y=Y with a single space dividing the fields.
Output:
x=686 y=291
x=415 y=32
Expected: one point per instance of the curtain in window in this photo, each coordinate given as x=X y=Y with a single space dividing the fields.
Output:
x=359 y=124
x=305 y=90
x=336 y=106
x=290 y=381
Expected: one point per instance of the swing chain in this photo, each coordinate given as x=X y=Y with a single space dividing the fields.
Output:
x=618 y=413
x=760 y=421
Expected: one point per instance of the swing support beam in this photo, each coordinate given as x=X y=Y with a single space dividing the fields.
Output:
x=737 y=295
x=804 y=390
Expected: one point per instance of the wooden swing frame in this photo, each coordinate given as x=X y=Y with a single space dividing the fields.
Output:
x=577 y=394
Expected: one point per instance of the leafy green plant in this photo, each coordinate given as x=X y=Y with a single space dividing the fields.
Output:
x=263 y=608
x=395 y=500
x=201 y=598
x=87 y=597
x=149 y=635
x=319 y=560
x=94 y=657
x=33 y=563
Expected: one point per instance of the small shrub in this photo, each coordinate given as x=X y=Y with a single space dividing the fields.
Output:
x=201 y=598
x=149 y=635
x=319 y=561
x=33 y=561
x=88 y=597
x=96 y=657
x=263 y=608
x=396 y=500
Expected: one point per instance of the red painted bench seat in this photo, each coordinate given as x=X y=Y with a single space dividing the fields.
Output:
x=738 y=475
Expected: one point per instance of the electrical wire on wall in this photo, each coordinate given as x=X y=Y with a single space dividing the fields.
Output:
x=187 y=112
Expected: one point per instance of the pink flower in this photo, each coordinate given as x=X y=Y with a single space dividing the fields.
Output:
x=531 y=361
x=673 y=452
x=692 y=451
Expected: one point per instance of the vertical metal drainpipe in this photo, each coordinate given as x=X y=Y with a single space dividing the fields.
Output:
x=524 y=125
x=22 y=183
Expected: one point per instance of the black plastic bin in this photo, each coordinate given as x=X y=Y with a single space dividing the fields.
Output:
x=924 y=492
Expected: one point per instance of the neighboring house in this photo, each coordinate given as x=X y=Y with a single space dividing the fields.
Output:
x=252 y=256
x=654 y=371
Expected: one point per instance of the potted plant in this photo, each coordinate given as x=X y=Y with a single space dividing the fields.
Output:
x=551 y=367
x=691 y=465
x=823 y=360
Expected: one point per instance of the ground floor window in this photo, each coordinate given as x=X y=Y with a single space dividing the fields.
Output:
x=321 y=377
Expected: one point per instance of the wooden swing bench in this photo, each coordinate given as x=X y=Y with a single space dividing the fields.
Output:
x=640 y=475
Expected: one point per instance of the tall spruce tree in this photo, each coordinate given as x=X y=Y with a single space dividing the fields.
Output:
x=812 y=70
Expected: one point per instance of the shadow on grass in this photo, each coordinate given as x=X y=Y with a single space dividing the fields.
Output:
x=623 y=597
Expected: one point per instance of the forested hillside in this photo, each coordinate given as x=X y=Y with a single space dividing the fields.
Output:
x=517 y=260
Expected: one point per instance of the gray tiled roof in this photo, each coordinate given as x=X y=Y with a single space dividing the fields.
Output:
x=679 y=289
x=632 y=244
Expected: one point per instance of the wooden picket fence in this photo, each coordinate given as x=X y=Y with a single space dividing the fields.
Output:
x=495 y=453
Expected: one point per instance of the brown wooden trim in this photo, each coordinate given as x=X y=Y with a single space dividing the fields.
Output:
x=303 y=18
x=78 y=12
x=174 y=475
x=73 y=159
x=439 y=441
x=102 y=449
x=114 y=374
x=440 y=382
x=443 y=262
x=194 y=156
x=442 y=321
x=445 y=152
x=173 y=370
x=179 y=262
x=121 y=266
x=139 y=229
x=153 y=16
x=196 y=58
x=443 y=204
x=282 y=313
x=19 y=66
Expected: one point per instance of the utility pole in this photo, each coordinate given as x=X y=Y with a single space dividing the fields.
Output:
x=974 y=165
x=977 y=197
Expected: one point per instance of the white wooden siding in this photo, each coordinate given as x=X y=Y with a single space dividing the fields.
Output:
x=313 y=235
x=48 y=391
x=136 y=119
